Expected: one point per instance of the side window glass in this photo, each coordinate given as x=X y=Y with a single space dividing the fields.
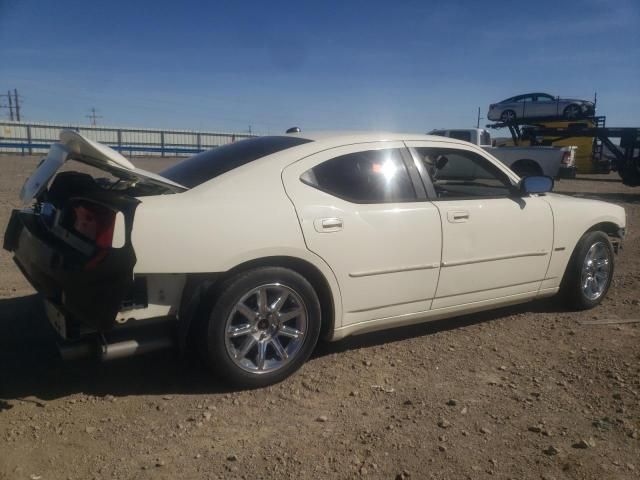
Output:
x=463 y=174
x=371 y=176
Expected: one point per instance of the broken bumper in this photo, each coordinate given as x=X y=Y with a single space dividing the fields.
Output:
x=87 y=293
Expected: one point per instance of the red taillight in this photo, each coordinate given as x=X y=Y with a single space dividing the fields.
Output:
x=94 y=222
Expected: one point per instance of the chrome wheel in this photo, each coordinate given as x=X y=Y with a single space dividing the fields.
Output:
x=508 y=116
x=596 y=270
x=572 y=112
x=266 y=328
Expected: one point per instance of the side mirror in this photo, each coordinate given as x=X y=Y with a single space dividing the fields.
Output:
x=441 y=162
x=536 y=184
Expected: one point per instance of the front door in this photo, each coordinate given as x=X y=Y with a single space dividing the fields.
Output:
x=495 y=244
x=361 y=212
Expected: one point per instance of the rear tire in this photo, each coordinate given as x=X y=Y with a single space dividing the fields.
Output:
x=589 y=272
x=508 y=116
x=263 y=325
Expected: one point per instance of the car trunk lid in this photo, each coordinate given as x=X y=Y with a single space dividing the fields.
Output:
x=73 y=146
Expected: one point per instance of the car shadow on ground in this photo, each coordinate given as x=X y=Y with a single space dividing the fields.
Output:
x=587 y=178
x=428 y=328
x=32 y=368
x=607 y=197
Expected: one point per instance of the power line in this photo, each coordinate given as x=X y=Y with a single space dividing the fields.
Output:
x=93 y=116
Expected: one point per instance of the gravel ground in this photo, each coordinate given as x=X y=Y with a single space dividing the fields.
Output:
x=524 y=392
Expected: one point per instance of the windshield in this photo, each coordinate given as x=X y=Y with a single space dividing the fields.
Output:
x=207 y=165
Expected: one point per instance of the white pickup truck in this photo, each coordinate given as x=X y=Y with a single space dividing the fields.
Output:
x=556 y=162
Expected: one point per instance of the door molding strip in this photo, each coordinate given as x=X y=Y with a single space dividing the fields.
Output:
x=456 y=263
x=394 y=270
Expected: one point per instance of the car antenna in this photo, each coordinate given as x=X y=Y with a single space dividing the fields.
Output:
x=293 y=130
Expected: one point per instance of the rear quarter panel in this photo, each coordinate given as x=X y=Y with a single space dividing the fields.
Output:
x=215 y=226
x=240 y=216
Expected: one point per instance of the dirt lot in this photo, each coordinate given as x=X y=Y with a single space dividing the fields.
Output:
x=525 y=392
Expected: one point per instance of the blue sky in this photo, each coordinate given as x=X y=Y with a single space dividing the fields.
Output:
x=402 y=66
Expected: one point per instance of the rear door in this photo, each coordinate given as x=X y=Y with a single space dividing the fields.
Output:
x=495 y=244
x=363 y=213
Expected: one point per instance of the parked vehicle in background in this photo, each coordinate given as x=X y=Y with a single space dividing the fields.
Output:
x=539 y=105
x=252 y=251
x=555 y=162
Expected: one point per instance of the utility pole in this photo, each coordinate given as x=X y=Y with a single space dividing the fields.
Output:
x=479 y=118
x=10 y=105
x=15 y=91
x=93 y=116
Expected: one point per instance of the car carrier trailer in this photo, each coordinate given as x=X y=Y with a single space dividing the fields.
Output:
x=626 y=154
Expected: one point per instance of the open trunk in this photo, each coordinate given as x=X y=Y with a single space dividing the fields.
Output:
x=73 y=243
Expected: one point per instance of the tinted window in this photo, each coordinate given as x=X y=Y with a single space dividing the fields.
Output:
x=463 y=174
x=545 y=98
x=207 y=165
x=372 y=176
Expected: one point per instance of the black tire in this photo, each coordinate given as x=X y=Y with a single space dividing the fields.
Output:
x=508 y=116
x=572 y=284
x=572 y=112
x=526 y=168
x=630 y=173
x=214 y=347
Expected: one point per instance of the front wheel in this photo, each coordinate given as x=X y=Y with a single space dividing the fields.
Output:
x=589 y=272
x=263 y=326
x=508 y=116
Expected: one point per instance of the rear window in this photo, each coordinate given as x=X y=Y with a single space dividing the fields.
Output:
x=207 y=165
x=461 y=135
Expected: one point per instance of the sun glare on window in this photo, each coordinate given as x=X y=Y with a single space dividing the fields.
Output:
x=388 y=169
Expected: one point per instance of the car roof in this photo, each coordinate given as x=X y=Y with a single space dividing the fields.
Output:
x=337 y=138
x=516 y=97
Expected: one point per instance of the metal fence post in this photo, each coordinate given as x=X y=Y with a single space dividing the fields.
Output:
x=29 y=139
x=119 y=140
x=198 y=142
x=162 y=143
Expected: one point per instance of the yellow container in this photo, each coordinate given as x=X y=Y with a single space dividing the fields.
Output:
x=584 y=154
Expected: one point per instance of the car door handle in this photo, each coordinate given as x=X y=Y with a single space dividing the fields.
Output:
x=326 y=225
x=458 y=216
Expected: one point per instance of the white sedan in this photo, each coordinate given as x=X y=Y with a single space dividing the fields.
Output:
x=255 y=250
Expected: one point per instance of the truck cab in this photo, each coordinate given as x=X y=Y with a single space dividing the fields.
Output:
x=477 y=136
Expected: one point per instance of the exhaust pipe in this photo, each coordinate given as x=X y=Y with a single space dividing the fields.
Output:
x=129 y=348
x=112 y=351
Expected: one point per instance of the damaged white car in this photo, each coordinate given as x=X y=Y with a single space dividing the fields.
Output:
x=253 y=251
